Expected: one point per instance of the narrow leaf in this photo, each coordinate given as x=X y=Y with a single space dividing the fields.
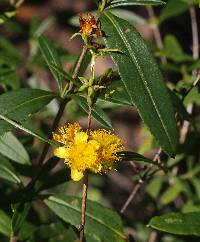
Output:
x=98 y=114
x=172 y=9
x=5 y=223
x=173 y=50
x=102 y=224
x=7 y=172
x=61 y=72
x=13 y=149
x=178 y=223
x=20 y=213
x=142 y=80
x=18 y=105
x=38 y=27
x=180 y=108
x=10 y=49
x=8 y=77
x=171 y=193
x=133 y=156
x=119 y=3
x=51 y=57
x=16 y=125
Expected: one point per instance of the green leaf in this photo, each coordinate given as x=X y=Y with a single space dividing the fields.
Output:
x=98 y=114
x=173 y=50
x=172 y=9
x=119 y=3
x=55 y=232
x=193 y=97
x=181 y=110
x=38 y=27
x=171 y=193
x=119 y=96
x=18 y=105
x=7 y=171
x=129 y=15
x=63 y=73
x=133 y=156
x=191 y=1
x=142 y=80
x=8 y=77
x=178 y=223
x=103 y=224
x=51 y=57
x=7 y=59
x=13 y=149
x=16 y=125
x=5 y=16
x=20 y=213
x=26 y=232
x=5 y=223
x=129 y=155
x=154 y=186
x=10 y=49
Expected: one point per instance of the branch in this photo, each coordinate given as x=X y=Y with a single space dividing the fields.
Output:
x=13 y=238
x=84 y=199
x=195 y=37
x=156 y=31
x=195 y=54
x=147 y=174
x=85 y=186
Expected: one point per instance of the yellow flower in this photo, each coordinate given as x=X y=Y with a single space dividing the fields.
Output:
x=110 y=144
x=66 y=133
x=96 y=151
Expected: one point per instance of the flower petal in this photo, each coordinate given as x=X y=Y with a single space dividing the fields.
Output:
x=76 y=175
x=61 y=152
x=80 y=137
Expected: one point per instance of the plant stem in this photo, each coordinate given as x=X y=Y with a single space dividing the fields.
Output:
x=89 y=117
x=53 y=128
x=156 y=31
x=79 y=62
x=140 y=182
x=13 y=238
x=195 y=54
x=84 y=200
x=195 y=37
x=153 y=236
x=85 y=186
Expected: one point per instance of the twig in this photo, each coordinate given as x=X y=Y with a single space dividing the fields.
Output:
x=153 y=236
x=89 y=117
x=83 y=210
x=195 y=37
x=79 y=62
x=13 y=238
x=132 y=195
x=53 y=128
x=140 y=182
x=85 y=187
x=195 y=54
x=156 y=31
